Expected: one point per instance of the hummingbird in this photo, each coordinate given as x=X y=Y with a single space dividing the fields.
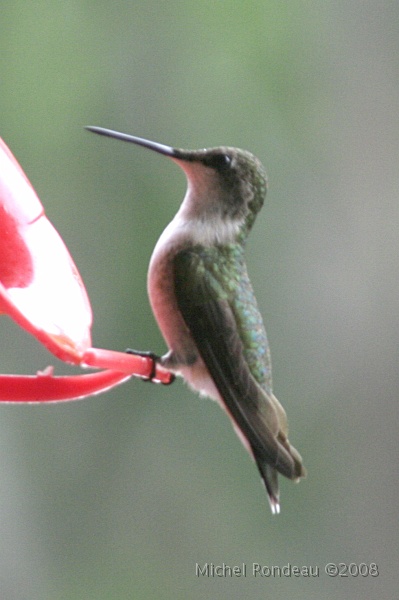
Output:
x=205 y=306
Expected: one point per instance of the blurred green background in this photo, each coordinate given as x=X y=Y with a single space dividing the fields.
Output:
x=119 y=496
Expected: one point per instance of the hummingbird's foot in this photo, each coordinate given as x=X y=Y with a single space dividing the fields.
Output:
x=155 y=359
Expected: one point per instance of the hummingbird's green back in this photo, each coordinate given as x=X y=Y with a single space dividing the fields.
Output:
x=225 y=269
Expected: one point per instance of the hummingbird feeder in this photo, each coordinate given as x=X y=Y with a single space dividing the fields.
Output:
x=42 y=291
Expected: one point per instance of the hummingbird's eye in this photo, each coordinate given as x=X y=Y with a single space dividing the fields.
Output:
x=219 y=162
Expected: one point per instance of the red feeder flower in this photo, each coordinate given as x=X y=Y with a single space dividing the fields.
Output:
x=41 y=289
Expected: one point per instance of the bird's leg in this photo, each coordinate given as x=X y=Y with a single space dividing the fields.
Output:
x=154 y=358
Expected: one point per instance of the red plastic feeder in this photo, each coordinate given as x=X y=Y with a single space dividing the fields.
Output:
x=42 y=291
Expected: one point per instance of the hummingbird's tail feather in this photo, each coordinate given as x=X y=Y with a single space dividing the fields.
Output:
x=270 y=480
x=269 y=473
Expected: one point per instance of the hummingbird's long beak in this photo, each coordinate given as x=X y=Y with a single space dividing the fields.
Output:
x=161 y=148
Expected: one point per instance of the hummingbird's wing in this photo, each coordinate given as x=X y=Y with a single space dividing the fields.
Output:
x=207 y=312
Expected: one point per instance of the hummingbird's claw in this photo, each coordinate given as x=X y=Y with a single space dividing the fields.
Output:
x=155 y=359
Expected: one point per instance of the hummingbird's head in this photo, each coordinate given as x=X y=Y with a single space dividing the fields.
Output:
x=226 y=188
